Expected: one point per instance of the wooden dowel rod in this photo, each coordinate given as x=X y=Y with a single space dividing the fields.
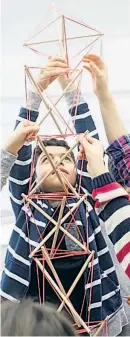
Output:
x=47 y=237
x=63 y=92
x=77 y=279
x=43 y=98
x=48 y=260
x=54 y=223
x=58 y=225
x=70 y=306
x=53 y=108
x=99 y=329
x=68 y=38
x=48 y=103
x=69 y=185
x=73 y=208
x=63 y=37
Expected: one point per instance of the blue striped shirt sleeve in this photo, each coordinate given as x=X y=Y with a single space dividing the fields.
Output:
x=20 y=172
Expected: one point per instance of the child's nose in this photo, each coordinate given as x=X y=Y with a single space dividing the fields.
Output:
x=56 y=159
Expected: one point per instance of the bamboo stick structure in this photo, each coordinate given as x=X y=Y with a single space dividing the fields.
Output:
x=66 y=213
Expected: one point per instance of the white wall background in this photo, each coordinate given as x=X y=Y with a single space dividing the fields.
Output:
x=19 y=19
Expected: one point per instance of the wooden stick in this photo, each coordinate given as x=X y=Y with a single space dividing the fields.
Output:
x=41 y=30
x=55 y=224
x=53 y=108
x=73 y=208
x=59 y=115
x=52 y=164
x=70 y=306
x=63 y=37
x=69 y=185
x=43 y=242
x=45 y=253
x=58 y=225
x=48 y=260
x=48 y=104
x=44 y=98
x=58 y=163
x=39 y=209
x=68 y=38
x=60 y=32
x=77 y=279
x=99 y=329
x=63 y=92
x=64 y=41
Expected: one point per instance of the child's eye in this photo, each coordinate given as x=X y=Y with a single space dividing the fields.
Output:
x=45 y=159
x=67 y=158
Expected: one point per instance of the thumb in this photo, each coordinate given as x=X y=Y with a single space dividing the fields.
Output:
x=91 y=140
x=83 y=141
x=31 y=128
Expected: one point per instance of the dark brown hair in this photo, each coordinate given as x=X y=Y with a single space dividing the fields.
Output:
x=53 y=142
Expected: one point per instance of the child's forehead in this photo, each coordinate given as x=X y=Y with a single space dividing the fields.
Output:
x=55 y=150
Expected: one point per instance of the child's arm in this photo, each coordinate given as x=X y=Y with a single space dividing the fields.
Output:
x=111 y=201
x=113 y=207
x=78 y=108
x=10 y=150
x=7 y=161
x=113 y=124
x=20 y=172
x=119 y=140
x=119 y=160
x=82 y=119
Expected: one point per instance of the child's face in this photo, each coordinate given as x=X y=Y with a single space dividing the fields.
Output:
x=52 y=183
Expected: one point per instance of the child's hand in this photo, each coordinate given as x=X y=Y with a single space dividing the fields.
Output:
x=66 y=78
x=98 y=71
x=53 y=69
x=94 y=153
x=25 y=131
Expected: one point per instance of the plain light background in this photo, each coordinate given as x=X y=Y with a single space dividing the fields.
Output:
x=19 y=20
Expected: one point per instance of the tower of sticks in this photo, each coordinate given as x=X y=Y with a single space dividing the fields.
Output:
x=41 y=253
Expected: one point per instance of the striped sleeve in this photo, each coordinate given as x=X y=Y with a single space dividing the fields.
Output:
x=82 y=119
x=20 y=172
x=113 y=207
x=119 y=159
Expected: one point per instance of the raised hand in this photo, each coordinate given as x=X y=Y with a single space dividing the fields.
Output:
x=98 y=71
x=55 y=67
x=66 y=78
x=94 y=153
x=25 y=131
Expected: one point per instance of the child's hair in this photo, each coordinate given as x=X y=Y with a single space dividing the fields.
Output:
x=53 y=142
x=29 y=318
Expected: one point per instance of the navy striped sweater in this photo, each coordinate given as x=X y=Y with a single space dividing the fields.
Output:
x=107 y=202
